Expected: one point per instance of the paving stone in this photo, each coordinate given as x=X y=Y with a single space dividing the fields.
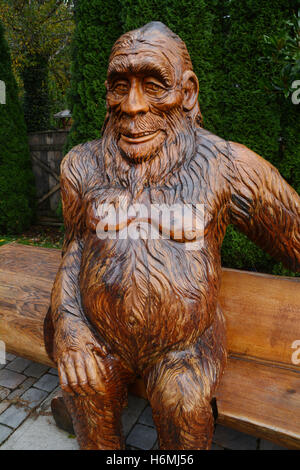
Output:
x=132 y=412
x=4 y=404
x=4 y=433
x=234 y=440
x=40 y=433
x=48 y=382
x=53 y=371
x=36 y=370
x=13 y=416
x=267 y=445
x=4 y=392
x=34 y=397
x=46 y=404
x=22 y=388
x=142 y=437
x=146 y=417
x=10 y=379
x=18 y=364
x=9 y=356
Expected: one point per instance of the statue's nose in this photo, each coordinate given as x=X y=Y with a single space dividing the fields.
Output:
x=135 y=102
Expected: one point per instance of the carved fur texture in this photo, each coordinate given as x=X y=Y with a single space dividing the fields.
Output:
x=123 y=308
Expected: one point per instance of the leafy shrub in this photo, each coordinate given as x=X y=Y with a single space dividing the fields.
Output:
x=226 y=41
x=16 y=178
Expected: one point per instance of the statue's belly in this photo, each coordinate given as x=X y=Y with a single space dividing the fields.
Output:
x=147 y=296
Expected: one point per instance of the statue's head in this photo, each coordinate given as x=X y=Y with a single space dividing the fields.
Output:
x=152 y=92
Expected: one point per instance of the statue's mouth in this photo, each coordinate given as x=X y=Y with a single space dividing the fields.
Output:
x=140 y=137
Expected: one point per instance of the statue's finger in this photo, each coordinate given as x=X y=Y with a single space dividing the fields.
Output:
x=72 y=376
x=63 y=379
x=95 y=376
x=82 y=378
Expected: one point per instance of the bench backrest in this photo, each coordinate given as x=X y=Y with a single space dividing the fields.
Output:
x=263 y=316
x=262 y=311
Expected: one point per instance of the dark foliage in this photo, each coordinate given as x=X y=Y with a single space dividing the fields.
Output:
x=36 y=95
x=16 y=178
x=226 y=41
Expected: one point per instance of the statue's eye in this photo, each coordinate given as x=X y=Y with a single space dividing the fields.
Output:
x=121 y=88
x=153 y=88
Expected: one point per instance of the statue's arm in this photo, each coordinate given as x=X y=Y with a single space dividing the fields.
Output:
x=265 y=207
x=67 y=316
x=74 y=343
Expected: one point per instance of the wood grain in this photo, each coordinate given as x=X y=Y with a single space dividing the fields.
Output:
x=262 y=311
x=262 y=315
x=26 y=278
x=260 y=399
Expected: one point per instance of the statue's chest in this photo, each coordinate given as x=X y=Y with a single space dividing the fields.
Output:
x=146 y=251
x=158 y=213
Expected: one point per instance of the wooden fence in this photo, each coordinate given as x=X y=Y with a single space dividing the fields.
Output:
x=46 y=150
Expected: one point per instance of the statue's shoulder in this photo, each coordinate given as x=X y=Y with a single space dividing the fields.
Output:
x=242 y=155
x=249 y=165
x=82 y=160
x=212 y=146
x=209 y=143
x=232 y=160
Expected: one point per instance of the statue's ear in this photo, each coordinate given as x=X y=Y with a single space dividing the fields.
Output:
x=190 y=87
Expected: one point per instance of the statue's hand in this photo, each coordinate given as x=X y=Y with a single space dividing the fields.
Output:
x=79 y=360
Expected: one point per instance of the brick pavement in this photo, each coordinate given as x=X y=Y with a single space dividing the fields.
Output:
x=26 y=422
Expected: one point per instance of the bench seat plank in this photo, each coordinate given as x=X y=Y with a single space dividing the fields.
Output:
x=262 y=400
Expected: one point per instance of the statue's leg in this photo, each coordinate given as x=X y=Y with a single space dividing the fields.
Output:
x=180 y=389
x=97 y=417
x=97 y=424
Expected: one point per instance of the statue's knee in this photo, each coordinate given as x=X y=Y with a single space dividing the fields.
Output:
x=180 y=383
x=180 y=394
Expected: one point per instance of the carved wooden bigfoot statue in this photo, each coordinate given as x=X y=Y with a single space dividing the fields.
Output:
x=125 y=305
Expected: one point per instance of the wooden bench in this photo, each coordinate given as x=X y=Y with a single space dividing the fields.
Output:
x=260 y=390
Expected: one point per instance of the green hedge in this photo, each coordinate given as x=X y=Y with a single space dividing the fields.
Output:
x=98 y=26
x=197 y=23
x=225 y=39
x=253 y=113
x=16 y=178
x=36 y=94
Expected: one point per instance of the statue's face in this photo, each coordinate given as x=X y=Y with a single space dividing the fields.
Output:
x=142 y=92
